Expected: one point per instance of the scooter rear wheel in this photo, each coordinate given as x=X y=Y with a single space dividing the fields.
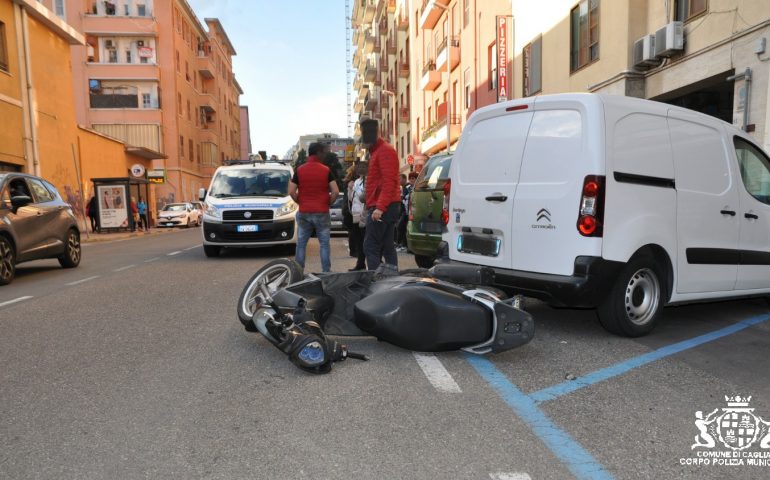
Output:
x=276 y=275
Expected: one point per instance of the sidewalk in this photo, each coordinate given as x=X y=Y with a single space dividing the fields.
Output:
x=93 y=237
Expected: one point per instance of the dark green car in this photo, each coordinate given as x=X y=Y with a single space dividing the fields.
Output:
x=423 y=233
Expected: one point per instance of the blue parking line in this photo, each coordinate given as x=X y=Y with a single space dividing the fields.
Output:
x=555 y=391
x=566 y=449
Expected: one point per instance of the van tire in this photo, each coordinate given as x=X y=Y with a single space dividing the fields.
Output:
x=424 y=261
x=633 y=306
x=211 y=250
x=276 y=274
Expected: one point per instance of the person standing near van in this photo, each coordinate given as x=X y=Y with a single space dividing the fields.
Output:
x=383 y=197
x=314 y=188
x=357 y=197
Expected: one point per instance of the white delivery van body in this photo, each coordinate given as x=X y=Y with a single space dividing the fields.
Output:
x=248 y=205
x=613 y=202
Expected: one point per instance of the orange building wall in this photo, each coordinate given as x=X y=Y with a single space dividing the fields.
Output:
x=12 y=131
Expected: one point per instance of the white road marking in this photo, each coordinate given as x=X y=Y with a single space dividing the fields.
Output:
x=152 y=259
x=174 y=253
x=510 y=476
x=20 y=299
x=438 y=376
x=82 y=281
x=194 y=246
x=124 y=268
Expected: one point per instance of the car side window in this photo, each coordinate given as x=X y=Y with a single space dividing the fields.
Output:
x=42 y=195
x=755 y=170
x=18 y=187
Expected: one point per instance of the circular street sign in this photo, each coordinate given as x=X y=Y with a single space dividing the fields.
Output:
x=137 y=170
x=410 y=159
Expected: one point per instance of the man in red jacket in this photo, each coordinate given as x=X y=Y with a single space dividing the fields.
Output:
x=383 y=197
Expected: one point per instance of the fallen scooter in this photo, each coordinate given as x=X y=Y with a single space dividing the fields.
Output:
x=448 y=307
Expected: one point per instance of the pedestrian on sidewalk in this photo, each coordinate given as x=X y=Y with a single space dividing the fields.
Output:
x=383 y=197
x=134 y=215
x=357 y=197
x=314 y=188
x=407 y=186
x=91 y=212
x=143 y=223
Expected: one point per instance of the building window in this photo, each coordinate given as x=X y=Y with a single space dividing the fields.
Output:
x=178 y=65
x=687 y=9
x=467 y=87
x=492 y=62
x=127 y=10
x=584 y=34
x=466 y=13
x=179 y=103
x=190 y=149
x=533 y=63
x=109 y=8
x=3 y=49
x=181 y=146
x=128 y=56
x=112 y=55
x=146 y=100
x=59 y=8
x=141 y=9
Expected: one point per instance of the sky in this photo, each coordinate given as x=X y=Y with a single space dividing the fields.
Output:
x=290 y=63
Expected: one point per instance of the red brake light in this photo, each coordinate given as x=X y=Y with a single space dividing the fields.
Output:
x=591 y=209
x=591 y=188
x=445 y=209
x=587 y=225
x=409 y=208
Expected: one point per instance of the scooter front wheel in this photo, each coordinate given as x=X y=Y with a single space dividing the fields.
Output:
x=275 y=275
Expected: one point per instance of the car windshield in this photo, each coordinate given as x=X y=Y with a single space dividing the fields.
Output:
x=250 y=183
x=174 y=207
x=435 y=174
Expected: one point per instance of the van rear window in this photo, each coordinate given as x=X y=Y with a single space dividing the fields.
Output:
x=435 y=174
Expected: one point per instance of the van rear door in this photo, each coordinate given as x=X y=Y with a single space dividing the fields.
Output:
x=484 y=176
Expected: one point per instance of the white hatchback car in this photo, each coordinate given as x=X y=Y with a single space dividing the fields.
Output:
x=179 y=215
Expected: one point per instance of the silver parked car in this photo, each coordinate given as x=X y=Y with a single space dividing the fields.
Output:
x=35 y=223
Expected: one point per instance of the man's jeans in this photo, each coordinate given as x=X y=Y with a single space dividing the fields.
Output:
x=378 y=241
x=322 y=224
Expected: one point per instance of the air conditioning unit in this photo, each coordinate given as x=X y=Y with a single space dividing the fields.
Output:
x=140 y=43
x=644 y=52
x=669 y=39
x=109 y=44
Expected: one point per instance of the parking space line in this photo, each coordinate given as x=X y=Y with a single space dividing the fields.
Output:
x=15 y=300
x=124 y=268
x=174 y=253
x=78 y=282
x=567 y=450
x=437 y=374
x=510 y=476
x=555 y=391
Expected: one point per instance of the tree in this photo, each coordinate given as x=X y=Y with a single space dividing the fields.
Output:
x=301 y=158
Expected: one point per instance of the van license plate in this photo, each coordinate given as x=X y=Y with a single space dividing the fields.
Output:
x=488 y=246
x=247 y=228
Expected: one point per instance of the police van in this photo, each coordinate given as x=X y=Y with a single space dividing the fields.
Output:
x=248 y=205
x=610 y=202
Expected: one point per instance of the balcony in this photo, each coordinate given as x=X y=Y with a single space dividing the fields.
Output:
x=431 y=12
x=403 y=115
x=449 y=47
x=362 y=92
x=120 y=25
x=358 y=106
x=358 y=82
x=370 y=8
x=403 y=69
x=122 y=70
x=434 y=138
x=205 y=65
x=370 y=71
x=391 y=6
x=430 y=77
x=369 y=42
x=208 y=104
x=391 y=46
x=373 y=99
x=403 y=21
x=385 y=100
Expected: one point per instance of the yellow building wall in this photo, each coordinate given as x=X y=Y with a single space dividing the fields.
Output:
x=11 y=119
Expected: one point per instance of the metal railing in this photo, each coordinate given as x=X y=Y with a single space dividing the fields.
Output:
x=429 y=65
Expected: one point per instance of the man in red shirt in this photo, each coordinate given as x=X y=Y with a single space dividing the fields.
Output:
x=314 y=188
x=383 y=197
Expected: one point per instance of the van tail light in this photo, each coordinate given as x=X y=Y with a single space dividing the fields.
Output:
x=409 y=208
x=591 y=214
x=445 y=208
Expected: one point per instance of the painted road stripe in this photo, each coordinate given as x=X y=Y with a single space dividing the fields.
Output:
x=124 y=268
x=20 y=299
x=510 y=476
x=566 y=449
x=151 y=259
x=82 y=281
x=597 y=376
x=438 y=376
x=174 y=253
x=194 y=246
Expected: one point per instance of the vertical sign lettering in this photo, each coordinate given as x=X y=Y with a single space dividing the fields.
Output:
x=502 y=59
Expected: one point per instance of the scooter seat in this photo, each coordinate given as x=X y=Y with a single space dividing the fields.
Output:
x=422 y=318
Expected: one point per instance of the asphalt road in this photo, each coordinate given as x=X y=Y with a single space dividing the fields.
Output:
x=134 y=366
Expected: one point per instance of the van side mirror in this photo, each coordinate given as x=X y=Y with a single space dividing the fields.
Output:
x=20 y=201
x=202 y=194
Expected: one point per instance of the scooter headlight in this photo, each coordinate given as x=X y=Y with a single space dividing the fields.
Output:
x=312 y=354
x=286 y=209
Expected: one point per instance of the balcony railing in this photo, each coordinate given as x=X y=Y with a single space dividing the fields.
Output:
x=403 y=69
x=403 y=21
x=453 y=41
x=403 y=114
x=391 y=46
x=438 y=125
x=429 y=66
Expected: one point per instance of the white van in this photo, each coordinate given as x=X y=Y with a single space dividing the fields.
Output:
x=248 y=205
x=611 y=202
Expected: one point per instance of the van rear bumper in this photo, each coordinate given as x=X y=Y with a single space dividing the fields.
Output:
x=587 y=287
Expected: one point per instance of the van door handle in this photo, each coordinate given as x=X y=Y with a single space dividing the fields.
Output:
x=728 y=212
x=751 y=216
x=496 y=198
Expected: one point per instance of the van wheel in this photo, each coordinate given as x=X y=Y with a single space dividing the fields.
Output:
x=7 y=261
x=211 y=250
x=424 y=261
x=634 y=304
x=275 y=275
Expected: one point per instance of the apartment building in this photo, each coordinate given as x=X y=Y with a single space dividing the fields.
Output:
x=707 y=55
x=152 y=75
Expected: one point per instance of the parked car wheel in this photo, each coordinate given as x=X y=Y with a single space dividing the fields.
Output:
x=424 y=261
x=7 y=261
x=72 y=250
x=211 y=250
x=634 y=304
x=274 y=275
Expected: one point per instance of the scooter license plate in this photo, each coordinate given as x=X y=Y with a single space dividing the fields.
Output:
x=488 y=246
x=247 y=228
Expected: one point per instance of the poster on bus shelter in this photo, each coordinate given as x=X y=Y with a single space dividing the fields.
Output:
x=113 y=211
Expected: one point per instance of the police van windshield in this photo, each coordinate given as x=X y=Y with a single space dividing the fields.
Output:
x=250 y=183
